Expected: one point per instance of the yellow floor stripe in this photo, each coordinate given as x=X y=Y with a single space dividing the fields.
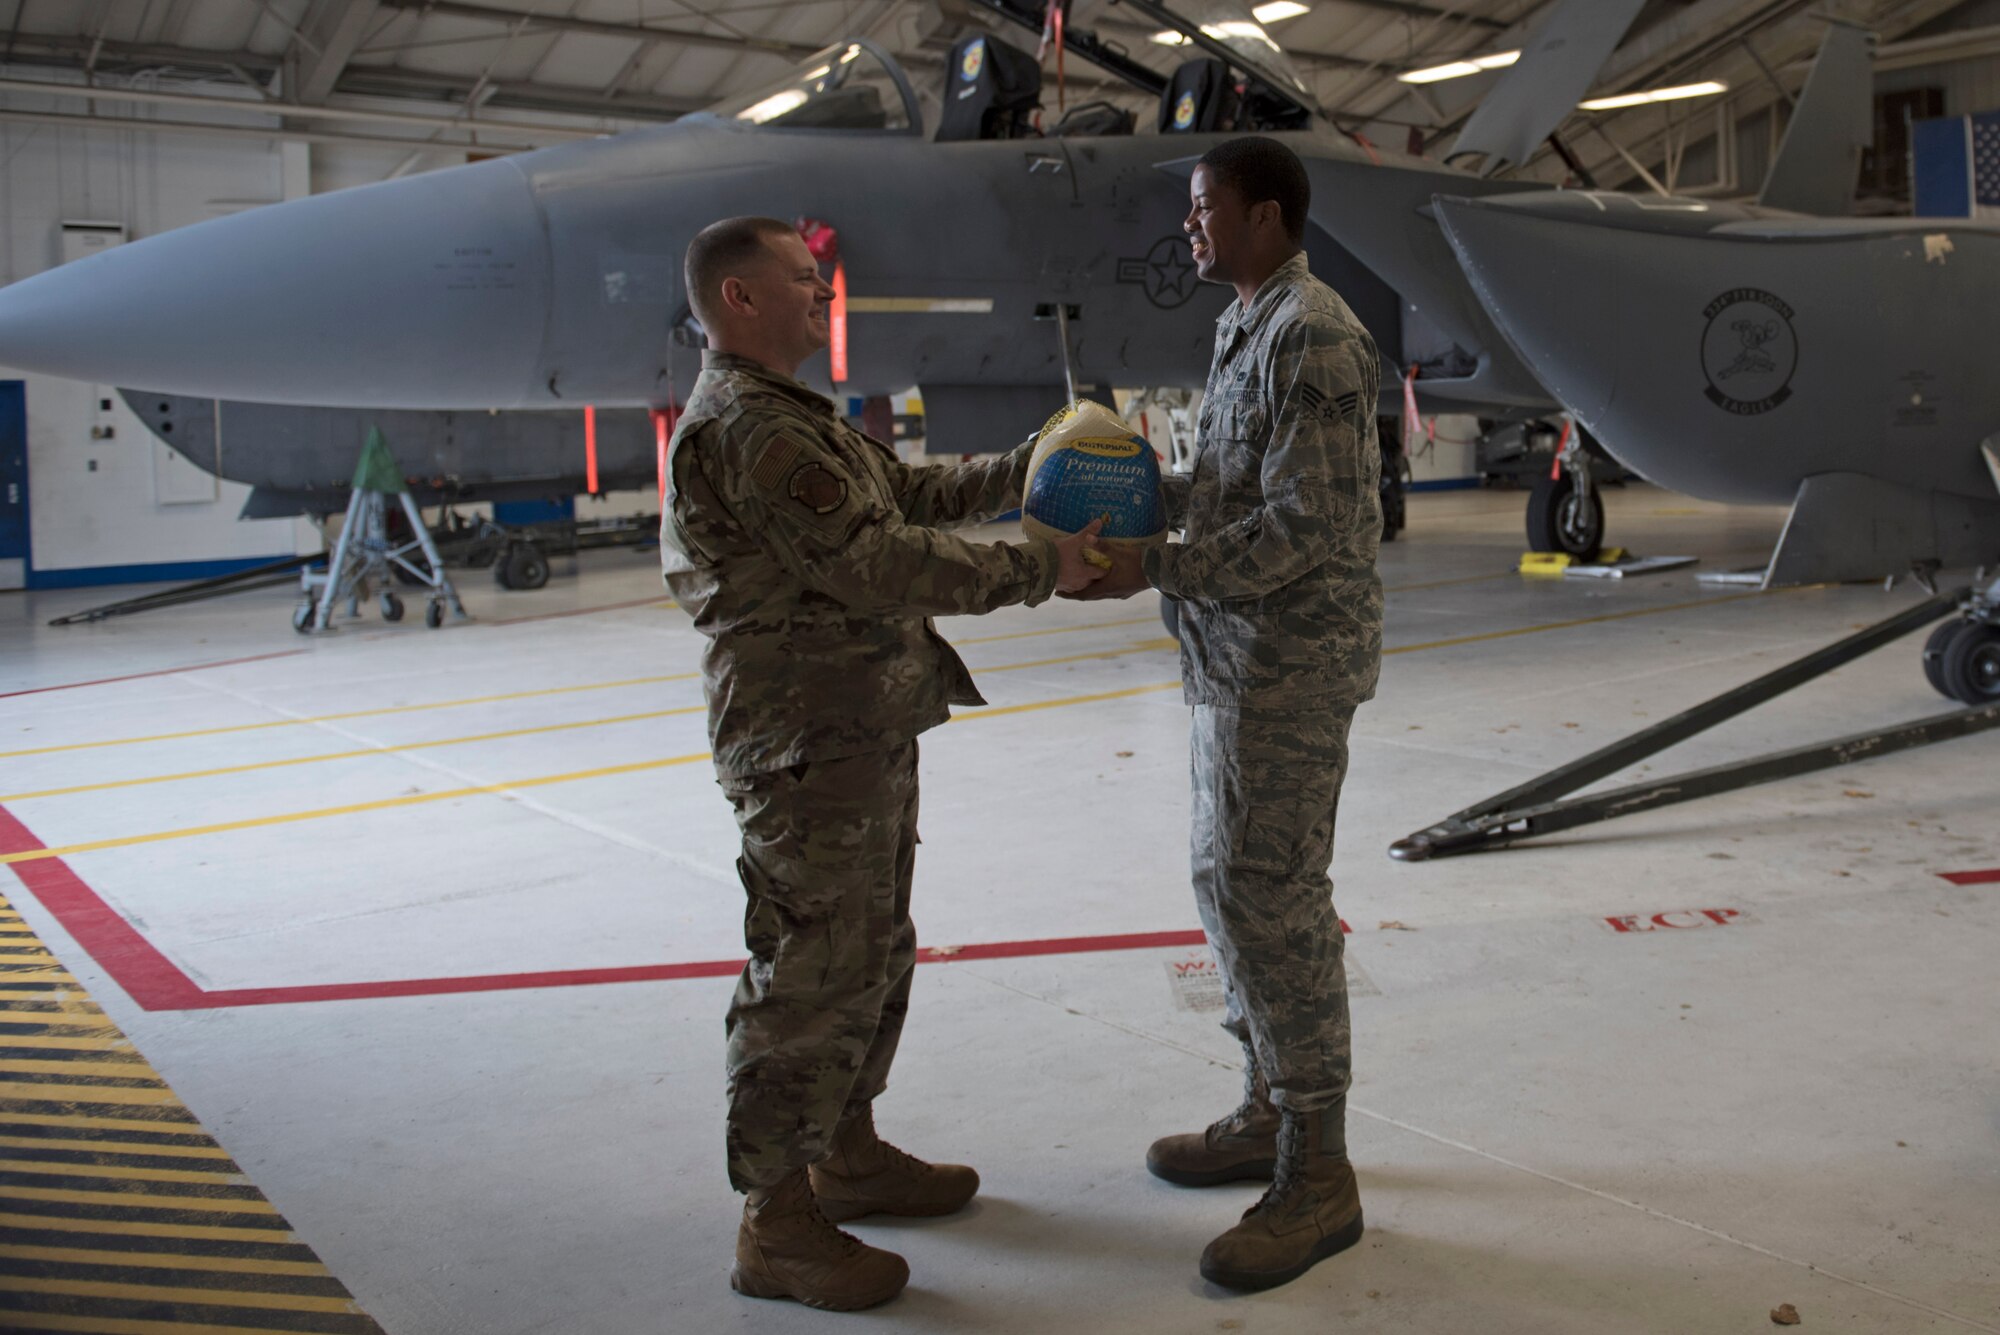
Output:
x=79 y=1068
x=61 y=994
x=155 y=1125
x=351 y=714
x=119 y=1174
x=103 y=1325
x=997 y=711
x=16 y=1089
x=98 y=1288
x=1146 y=646
x=68 y=1146
x=139 y=1228
x=127 y=1200
x=362 y=753
x=105 y=1044
x=386 y=804
x=163 y=1261
x=323 y=813
x=1625 y=615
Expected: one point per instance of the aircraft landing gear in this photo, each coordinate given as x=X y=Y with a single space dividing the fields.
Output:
x=1395 y=473
x=1962 y=656
x=1566 y=510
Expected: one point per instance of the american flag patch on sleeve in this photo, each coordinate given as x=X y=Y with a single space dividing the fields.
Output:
x=774 y=465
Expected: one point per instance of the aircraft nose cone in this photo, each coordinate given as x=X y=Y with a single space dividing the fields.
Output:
x=427 y=292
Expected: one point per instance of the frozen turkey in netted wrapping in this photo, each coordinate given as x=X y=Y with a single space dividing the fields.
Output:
x=1089 y=463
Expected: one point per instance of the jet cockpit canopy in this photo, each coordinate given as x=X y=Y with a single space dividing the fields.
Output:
x=852 y=85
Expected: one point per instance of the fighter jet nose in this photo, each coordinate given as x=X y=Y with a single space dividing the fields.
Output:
x=430 y=291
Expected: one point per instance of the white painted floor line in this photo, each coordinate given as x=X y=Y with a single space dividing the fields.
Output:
x=467 y=779
x=1504 y=1162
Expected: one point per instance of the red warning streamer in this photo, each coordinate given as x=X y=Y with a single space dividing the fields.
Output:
x=837 y=317
x=590 y=450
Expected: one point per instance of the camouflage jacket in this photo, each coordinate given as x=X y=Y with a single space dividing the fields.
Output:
x=1280 y=604
x=810 y=557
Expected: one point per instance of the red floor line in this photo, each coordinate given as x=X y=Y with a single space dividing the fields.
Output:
x=1991 y=876
x=162 y=672
x=649 y=973
x=156 y=983
x=134 y=963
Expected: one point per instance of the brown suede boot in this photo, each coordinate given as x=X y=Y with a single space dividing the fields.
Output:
x=864 y=1174
x=785 y=1248
x=1311 y=1211
x=1241 y=1147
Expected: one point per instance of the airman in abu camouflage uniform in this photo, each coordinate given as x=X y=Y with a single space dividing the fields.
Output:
x=811 y=558
x=1281 y=637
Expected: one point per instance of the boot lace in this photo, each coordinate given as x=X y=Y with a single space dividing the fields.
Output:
x=900 y=1159
x=842 y=1243
x=1290 y=1167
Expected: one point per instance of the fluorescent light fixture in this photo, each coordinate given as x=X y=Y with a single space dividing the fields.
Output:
x=1708 y=89
x=773 y=106
x=819 y=73
x=1278 y=11
x=1227 y=28
x=1458 y=69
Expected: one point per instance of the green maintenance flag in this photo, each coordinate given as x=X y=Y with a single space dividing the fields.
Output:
x=377 y=470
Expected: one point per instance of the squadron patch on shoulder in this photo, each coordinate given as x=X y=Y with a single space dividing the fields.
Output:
x=770 y=467
x=818 y=489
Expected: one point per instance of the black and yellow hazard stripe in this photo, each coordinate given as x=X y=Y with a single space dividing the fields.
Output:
x=118 y=1213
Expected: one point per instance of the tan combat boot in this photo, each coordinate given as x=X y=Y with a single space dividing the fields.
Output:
x=1241 y=1147
x=1311 y=1211
x=864 y=1174
x=785 y=1248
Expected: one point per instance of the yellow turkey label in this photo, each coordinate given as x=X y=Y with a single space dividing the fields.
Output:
x=1106 y=449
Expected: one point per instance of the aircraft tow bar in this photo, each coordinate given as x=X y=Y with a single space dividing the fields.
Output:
x=1537 y=807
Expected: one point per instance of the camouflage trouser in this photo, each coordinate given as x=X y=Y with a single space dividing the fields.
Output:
x=1265 y=789
x=828 y=848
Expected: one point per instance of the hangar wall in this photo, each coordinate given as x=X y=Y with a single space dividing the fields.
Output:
x=107 y=502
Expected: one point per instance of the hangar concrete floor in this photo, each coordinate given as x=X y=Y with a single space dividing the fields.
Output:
x=388 y=910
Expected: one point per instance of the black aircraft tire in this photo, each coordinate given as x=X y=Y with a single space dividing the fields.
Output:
x=392 y=607
x=434 y=614
x=302 y=616
x=521 y=566
x=1551 y=520
x=1934 y=652
x=1170 y=617
x=1971 y=667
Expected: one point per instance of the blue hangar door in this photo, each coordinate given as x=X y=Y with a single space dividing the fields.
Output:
x=13 y=484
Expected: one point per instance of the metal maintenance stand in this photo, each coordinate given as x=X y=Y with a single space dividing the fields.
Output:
x=1537 y=807
x=364 y=558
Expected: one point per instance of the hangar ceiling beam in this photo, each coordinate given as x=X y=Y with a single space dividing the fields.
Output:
x=1410 y=10
x=626 y=31
x=337 y=29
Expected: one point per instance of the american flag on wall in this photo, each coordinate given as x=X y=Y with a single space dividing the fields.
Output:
x=1956 y=166
x=1986 y=164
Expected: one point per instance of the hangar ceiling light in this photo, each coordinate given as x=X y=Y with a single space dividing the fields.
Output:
x=1708 y=89
x=1458 y=69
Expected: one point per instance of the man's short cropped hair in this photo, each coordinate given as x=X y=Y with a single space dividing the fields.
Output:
x=1258 y=169
x=724 y=250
